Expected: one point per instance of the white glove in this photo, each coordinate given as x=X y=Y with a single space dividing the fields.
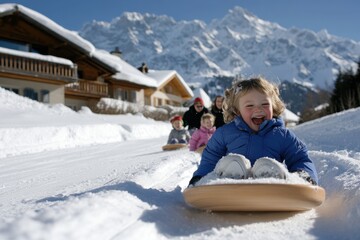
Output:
x=268 y=168
x=233 y=166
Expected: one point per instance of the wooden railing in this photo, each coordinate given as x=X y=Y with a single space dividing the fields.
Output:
x=39 y=68
x=88 y=87
x=36 y=67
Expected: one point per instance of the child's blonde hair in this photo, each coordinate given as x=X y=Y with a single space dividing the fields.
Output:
x=208 y=116
x=241 y=87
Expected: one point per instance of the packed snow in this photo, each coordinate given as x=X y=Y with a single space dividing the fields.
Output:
x=80 y=175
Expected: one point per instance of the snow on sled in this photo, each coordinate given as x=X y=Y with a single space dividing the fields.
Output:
x=255 y=197
x=170 y=147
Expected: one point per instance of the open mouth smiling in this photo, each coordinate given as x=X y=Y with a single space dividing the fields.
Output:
x=258 y=120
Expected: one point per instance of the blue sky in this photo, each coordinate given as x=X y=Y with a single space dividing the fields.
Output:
x=339 y=17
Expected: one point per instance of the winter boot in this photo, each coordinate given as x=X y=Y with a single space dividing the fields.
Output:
x=233 y=166
x=268 y=168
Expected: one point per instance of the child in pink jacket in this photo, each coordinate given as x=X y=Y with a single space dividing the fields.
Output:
x=201 y=136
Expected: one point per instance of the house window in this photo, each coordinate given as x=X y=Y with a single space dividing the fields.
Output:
x=22 y=46
x=30 y=93
x=168 y=89
x=80 y=73
x=117 y=93
x=15 y=90
x=45 y=96
x=14 y=45
x=133 y=96
x=39 y=49
x=125 y=95
x=147 y=100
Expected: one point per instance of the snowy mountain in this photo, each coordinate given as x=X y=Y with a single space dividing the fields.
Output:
x=239 y=43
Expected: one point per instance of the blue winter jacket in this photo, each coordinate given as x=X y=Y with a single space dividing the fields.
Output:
x=272 y=140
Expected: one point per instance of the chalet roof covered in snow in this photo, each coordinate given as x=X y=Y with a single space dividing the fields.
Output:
x=199 y=92
x=290 y=116
x=122 y=70
x=161 y=76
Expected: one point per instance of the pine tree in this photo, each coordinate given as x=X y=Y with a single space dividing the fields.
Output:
x=346 y=93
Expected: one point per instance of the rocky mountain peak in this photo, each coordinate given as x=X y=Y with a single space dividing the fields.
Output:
x=238 y=44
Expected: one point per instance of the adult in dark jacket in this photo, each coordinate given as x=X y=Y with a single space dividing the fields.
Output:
x=192 y=117
x=216 y=110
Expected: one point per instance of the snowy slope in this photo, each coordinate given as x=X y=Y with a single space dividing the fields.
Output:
x=127 y=188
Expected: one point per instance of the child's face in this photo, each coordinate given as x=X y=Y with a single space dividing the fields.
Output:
x=255 y=108
x=207 y=123
x=177 y=124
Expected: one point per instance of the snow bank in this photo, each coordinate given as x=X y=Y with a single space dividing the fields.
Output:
x=61 y=221
x=334 y=132
x=51 y=127
x=15 y=141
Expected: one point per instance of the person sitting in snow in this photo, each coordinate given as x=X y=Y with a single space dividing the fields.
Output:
x=192 y=117
x=202 y=135
x=178 y=134
x=254 y=142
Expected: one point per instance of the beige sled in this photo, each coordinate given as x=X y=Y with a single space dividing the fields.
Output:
x=170 y=147
x=255 y=197
x=200 y=149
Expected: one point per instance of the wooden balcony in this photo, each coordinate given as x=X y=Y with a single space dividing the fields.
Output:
x=37 y=68
x=21 y=65
x=87 y=88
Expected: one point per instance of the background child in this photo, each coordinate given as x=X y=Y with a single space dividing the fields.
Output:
x=201 y=136
x=178 y=134
x=255 y=130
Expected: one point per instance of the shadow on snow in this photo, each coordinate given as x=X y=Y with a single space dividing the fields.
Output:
x=173 y=217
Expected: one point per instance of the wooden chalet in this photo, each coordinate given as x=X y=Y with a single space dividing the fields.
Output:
x=171 y=89
x=43 y=61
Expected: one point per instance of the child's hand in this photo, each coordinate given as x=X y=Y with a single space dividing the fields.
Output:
x=194 y=180
x=306 y=176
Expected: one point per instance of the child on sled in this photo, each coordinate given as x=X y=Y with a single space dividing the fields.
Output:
x=202 y=135
x=255 y=142
x=178 y=134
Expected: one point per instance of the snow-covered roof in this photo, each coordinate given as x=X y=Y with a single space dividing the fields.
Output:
x=199 y=92
x=124 y=71
x=47 y=58
x=290 y=116
x=71 y=36
x=161 y=76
